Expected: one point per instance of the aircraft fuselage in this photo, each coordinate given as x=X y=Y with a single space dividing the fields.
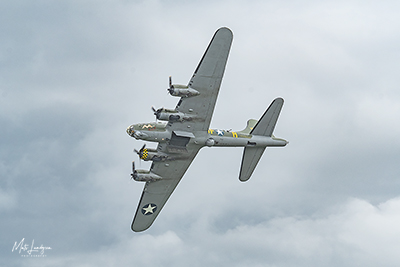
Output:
x=157 y=132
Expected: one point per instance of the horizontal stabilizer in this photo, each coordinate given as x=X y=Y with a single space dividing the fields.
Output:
x=251 y=156
x=266 y=124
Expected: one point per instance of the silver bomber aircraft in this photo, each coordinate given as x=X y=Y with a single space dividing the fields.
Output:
x=186 y=131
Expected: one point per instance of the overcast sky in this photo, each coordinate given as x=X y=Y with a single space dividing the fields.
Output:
x=75 y=74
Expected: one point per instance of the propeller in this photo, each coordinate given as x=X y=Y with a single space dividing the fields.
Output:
x=140 y=152
x=133 y=170
x=156 y=111
x=171 y=87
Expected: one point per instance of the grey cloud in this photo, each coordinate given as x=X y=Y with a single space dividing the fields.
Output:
x=75 y=75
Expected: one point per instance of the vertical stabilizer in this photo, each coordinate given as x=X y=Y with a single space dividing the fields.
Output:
x=250 y=125
x=266 y=124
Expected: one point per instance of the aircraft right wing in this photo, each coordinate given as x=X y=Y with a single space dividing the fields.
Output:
x=156 y=193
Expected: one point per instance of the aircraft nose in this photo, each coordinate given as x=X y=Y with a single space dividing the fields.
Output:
x=130 y=131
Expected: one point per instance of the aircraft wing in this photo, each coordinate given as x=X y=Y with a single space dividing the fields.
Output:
x=155 y=194
x=206 y=80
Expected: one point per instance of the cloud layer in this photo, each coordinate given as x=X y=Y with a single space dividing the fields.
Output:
x=74 y=75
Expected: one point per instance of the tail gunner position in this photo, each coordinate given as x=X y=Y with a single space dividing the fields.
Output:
x=186 y=131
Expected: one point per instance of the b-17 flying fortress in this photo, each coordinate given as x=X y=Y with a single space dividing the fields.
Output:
x=187 y=131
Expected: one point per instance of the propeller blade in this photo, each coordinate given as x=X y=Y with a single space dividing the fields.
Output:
x=154 y=110
x=143 y=147
x=171 y=87
x=139 y=152
x=133 y=171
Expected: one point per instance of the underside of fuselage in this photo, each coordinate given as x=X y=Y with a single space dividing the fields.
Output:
x=157 y=132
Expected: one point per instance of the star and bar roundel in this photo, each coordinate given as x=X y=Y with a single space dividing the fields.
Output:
x=149 y=209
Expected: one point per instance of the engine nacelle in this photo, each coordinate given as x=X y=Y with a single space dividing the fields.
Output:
x=182 y=91
x=145 y=176
x=163 y=114
x=172 y=115
x=147 y=154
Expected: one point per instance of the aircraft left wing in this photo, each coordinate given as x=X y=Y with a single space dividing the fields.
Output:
x=206 y=80
x=156 y=193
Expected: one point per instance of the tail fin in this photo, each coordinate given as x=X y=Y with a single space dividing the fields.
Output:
x=265 y=126
x=250 y=125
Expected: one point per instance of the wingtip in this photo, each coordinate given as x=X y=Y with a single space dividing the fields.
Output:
x=138 y=229
x=225 y=29
x=243 y=180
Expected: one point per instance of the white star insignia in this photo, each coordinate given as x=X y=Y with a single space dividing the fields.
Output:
x=219 y=132
x=149 y=210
